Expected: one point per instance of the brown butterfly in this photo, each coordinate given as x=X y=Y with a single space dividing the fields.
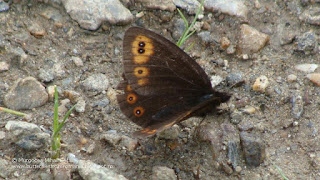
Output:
x=162 y=84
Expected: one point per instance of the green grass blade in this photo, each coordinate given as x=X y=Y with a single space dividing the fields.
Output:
x=190 y=46
x=65 y=118
x=12 y=111
x=56 y=105
x=186 y=34
x=179 y=43
x=281 y=173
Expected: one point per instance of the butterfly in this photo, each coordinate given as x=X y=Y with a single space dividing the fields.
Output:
x=162 y=84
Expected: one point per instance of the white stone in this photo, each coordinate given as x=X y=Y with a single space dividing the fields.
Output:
x=231 y=7
x=307 y=68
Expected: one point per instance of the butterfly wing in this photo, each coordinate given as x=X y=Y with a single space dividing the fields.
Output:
x=156 y=112
x=153 y=65
x=162 y=84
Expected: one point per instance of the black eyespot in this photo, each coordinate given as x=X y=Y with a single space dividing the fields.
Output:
x=140 y=71
x=142 y=44
x=130 y=98
x=141 y=51
x=138 y=111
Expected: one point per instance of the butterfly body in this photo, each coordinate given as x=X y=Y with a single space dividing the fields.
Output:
x=162 y=85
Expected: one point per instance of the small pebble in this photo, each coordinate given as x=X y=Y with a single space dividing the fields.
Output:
x=245 y=56
x=163 y=173
x=292 y=78
x=96 y=82
x=205 y=37
x=307 y=68
x=238 y=169
x=215 y=80
x=226 y=168
x=234 y=79
x=170 y=133
x=111 y=137
x=72 y=158
x=112 y=95
x=236 y=117
x=251 y=40
x=165 y=5
x=224 y=42
x=72 y=95
x=311 y=15
x=4 y=6
x=249 y=110
x=233 y=153
x=190 y=6
x=46 y=75
x=307 y=43
x=231 y=49
x=315 y=78
x=36 y=30
x=91 y=148
x=129 y=143
x=77 y=61
x=2 y=135
x=4 y=66
x=140 y=14
x=80 y=107
x=253 y=147
x=260 y=84
x=297 y=106
x=83 y=141
x=62 y=109
x=50 y=91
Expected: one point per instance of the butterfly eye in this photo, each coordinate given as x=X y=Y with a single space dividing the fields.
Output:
x=131 y=98
x=141 y=51
x=142 y=44
x=138 y=111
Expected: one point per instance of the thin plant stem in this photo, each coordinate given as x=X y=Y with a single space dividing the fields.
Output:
x=12 y=111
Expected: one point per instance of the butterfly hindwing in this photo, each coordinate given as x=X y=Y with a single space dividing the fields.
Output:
x=153 y=112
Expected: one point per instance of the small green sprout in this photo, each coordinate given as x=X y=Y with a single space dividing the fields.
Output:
x=56 y=136
x=186 y=33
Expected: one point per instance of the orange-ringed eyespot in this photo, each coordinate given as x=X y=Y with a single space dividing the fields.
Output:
x=138 y=111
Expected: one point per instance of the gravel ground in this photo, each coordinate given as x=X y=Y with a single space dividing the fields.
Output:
x=264 y=52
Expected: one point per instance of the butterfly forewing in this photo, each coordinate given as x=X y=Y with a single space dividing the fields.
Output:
x=154 y=65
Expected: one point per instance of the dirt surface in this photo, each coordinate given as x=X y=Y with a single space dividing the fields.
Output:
x=292 y=144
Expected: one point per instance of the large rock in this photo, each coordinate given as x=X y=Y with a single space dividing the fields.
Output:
x=231 y=7
x=26 y=93
x=91 y=171
x=91 y=14
x=27 y=135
